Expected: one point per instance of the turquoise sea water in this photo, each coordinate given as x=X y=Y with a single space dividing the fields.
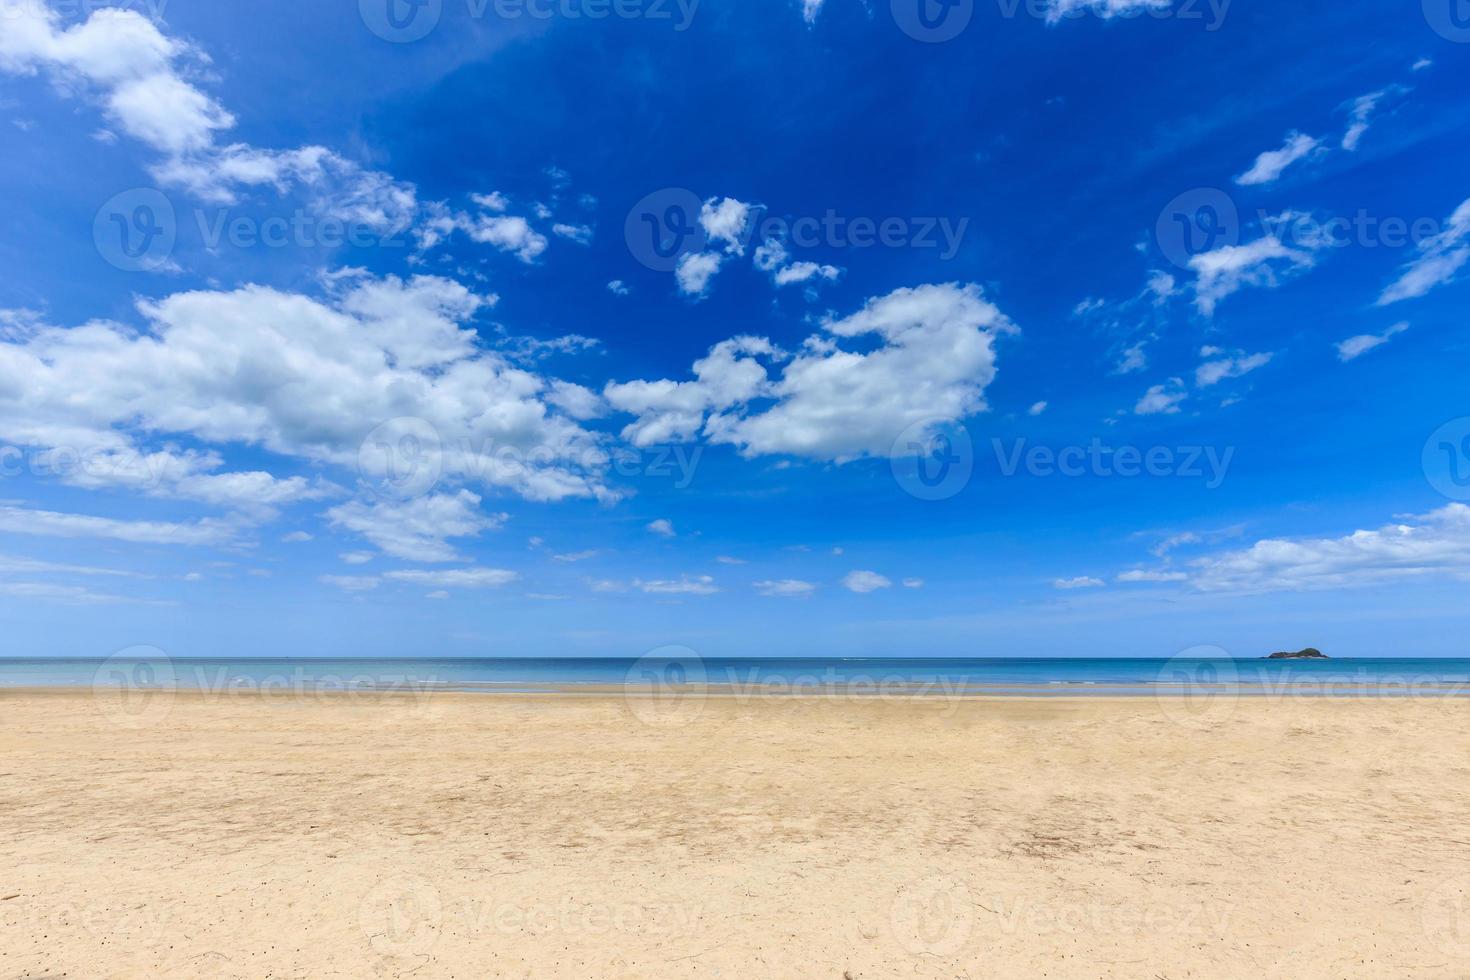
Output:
x=1378 y=676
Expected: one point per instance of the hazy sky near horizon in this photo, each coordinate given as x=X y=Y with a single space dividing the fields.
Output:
x=800 y=327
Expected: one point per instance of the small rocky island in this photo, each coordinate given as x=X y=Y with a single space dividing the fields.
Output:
x=1310 y=653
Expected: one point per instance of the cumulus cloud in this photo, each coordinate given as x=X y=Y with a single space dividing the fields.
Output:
x=662 y=527
x=1440 y=258
x=863 y=582
x=145 y=83
x=127 y=63
x=299 y=376
x=798 y=272
x=1355 y=347
x=1270 y=164
x=1162 y=399
x=418 y=529
x=930 y=355
x=1081 y=582
x=489 y=225
x=695 y=271
x=724 y=220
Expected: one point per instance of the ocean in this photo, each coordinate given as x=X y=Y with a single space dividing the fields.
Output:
x=808 y=675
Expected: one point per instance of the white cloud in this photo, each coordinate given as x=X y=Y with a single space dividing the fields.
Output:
x=575 y=556
x=786 y=588
x=1036 y=409
x=47 y=523
x=1143 y=575
x=863 y=582
x=1441 y=257
x=802 y=271
x=19 y=565
x=933 y=359
x=1161 y=285
x=1162 y=399
x=618 y=288
x=581 y=234
x=1081 y=582
x=684 y=585
x=1421 y=64
x=1230 y=366
x=509 y=233
x=1270 y=164
x=124 y=59
x=1355 y=347
x=913 y=583
x=1106 y=9
x=296 y=537
x=417 y=529
x=356 y=557
x=299 y=376
x=674 y=411
x=141 y=79
x=728 y=560
x=351 y=583
x=1433 y=544
x=1134 y=359
x=1360 y=112
x=810 y=9
x=575 y=401
x=662 y=527
x=724 y=220
x=455 y=578
x=1233 y=267
x=695 y=271
x=66 y=594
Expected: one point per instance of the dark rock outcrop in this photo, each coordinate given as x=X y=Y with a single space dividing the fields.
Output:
x=1310 y=653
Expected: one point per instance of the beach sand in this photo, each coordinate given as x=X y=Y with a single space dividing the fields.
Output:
x=472 y=836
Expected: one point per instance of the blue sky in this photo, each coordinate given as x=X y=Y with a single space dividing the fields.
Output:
x=1070 y=327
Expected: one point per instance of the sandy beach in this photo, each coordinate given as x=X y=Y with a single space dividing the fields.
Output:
x=453 y=835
